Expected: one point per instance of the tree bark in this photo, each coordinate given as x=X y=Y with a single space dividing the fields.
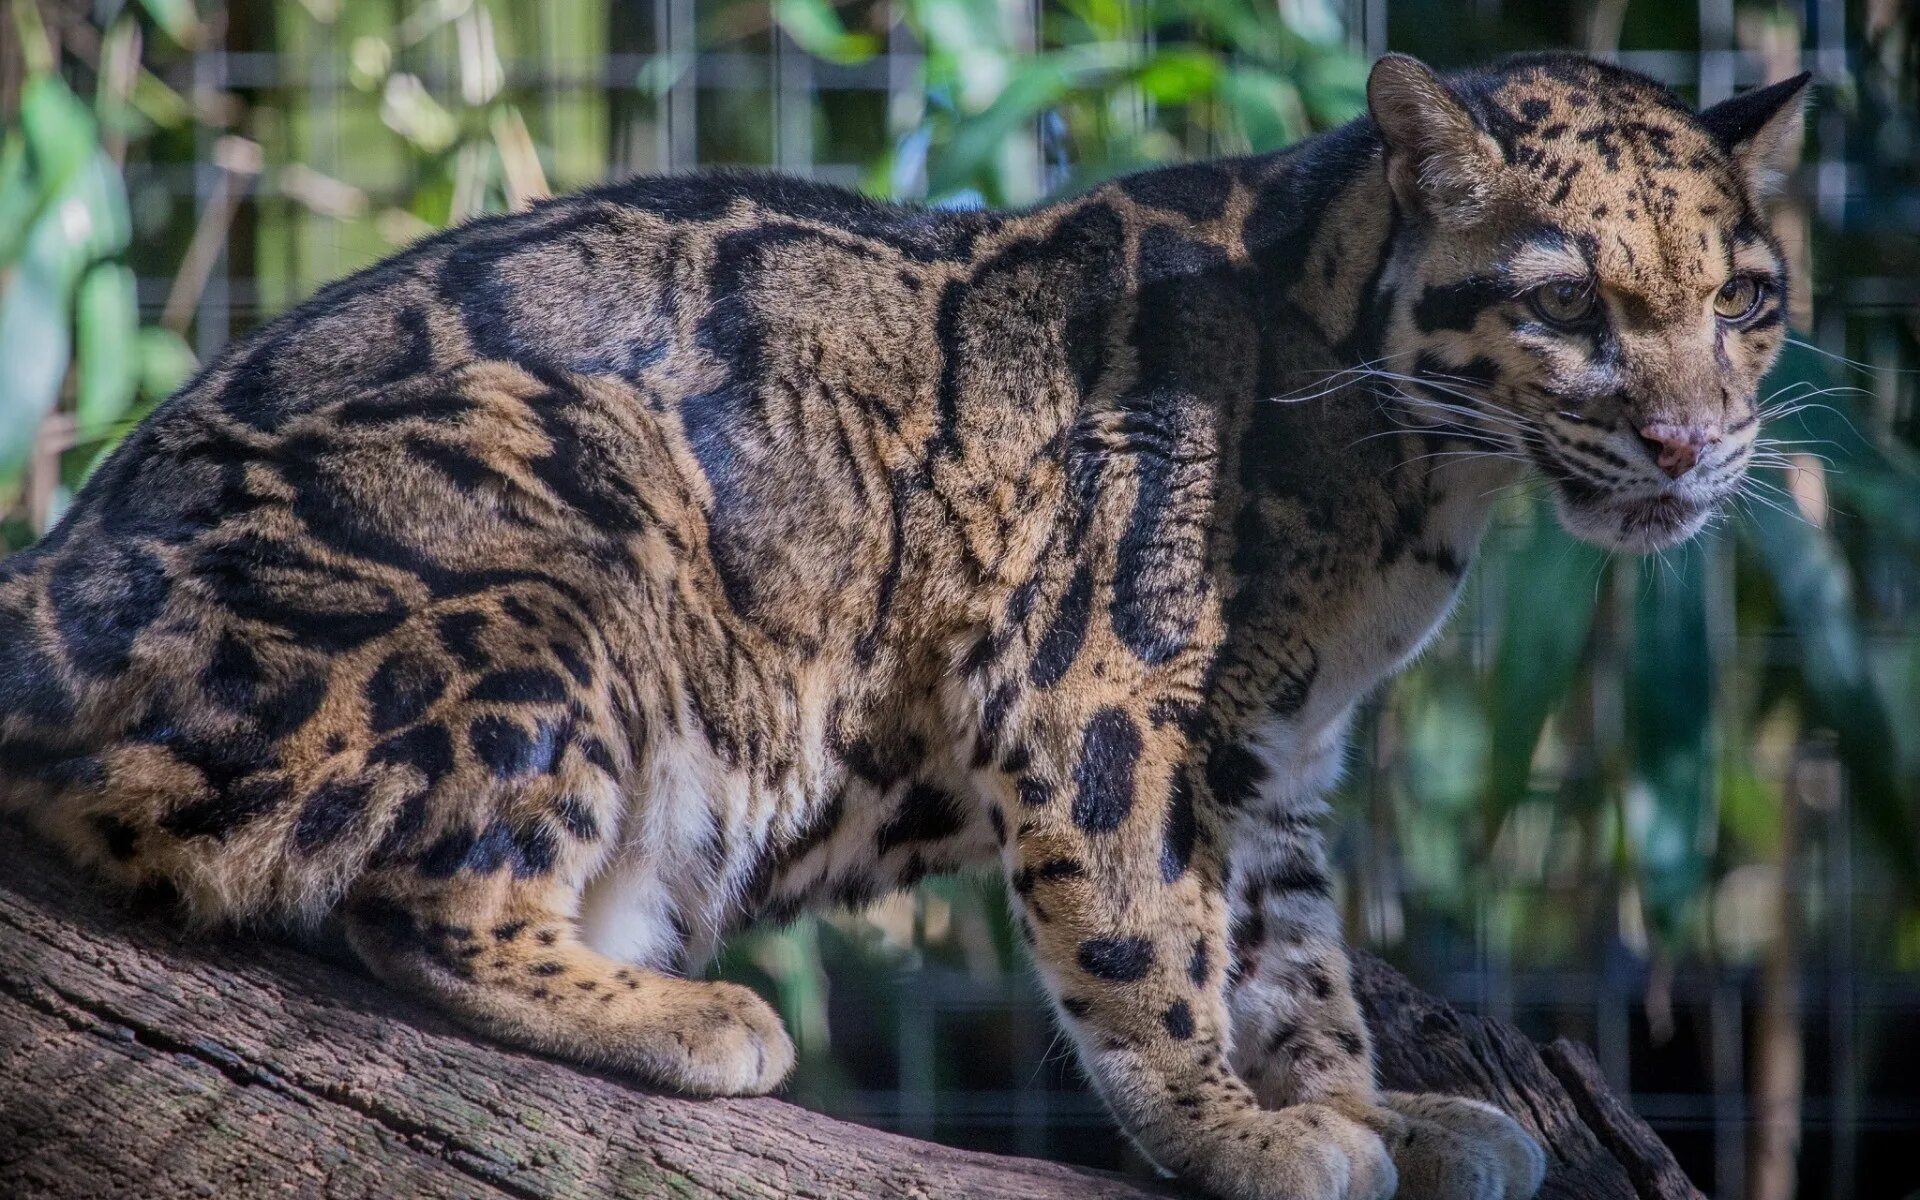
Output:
x=139 y=1061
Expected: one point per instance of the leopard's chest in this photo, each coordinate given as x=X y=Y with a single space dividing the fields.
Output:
x=1393 y=595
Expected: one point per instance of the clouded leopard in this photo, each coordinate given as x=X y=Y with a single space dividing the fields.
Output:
x=583 y=584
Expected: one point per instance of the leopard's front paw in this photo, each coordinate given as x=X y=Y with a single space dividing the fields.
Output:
x=1305 y=1152
x=1452 y=1148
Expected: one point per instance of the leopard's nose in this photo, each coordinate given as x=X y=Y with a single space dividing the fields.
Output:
x=1676 y=448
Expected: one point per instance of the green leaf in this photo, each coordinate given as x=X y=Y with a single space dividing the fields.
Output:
x=19 y=197
x=1670 y=708
x=1334 y=86
x=165 y=362
x=34 y=341
x=1551 y=585
x=176 y=19
x=977 y=140
x=107 y=324
x=86 y=217
x=1180 y=75
x=1267 y=106
x=59 y=130
x=819 y=31
x=1814 y=587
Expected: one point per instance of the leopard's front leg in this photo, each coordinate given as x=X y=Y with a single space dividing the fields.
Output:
x=1299 y=1036
x=1118 y=879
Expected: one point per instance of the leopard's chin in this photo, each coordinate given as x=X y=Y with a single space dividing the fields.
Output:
x=1636 y=525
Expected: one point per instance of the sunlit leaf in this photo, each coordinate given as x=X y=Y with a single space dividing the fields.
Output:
x=1180 y=76
x=35 y=340
x=819 y=31
x=165 y=362
x=59 y=131
x=19 y=196
x=107 y=323
x=176 y=19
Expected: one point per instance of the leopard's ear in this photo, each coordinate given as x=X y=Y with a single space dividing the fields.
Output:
x=1437 y=157
x=1761 y=130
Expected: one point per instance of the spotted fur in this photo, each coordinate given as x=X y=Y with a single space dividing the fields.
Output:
x=581 y=585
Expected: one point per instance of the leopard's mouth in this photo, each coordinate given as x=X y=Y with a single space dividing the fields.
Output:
x=1635 y=515
x=1635 y=524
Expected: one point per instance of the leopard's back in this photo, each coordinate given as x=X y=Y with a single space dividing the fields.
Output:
x=415 y=574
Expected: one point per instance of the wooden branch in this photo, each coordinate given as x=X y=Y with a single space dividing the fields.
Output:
x=139 y=1062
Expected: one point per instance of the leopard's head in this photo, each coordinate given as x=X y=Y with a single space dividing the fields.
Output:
x=1583 y=276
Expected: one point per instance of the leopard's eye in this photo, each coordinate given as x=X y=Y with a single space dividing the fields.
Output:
x=1564 y=302
x=1737 y=298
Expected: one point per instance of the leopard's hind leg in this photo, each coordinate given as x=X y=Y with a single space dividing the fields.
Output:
x=498 y=950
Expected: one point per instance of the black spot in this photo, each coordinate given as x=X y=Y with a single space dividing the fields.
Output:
x=1075 y=1007
x=52 y=762
x=1179 y=1020
x=1033 y=792
x=1176 y=848
x=231 y=807
x=595 y=751
x=401 y=690
x=1350 y=1043
x=534 y=850
x=101 y=602
x=328 y=813
x=1066 y=633
x=1116 y=959
x=1197 y=191
x=447 y=854
x=120 y=838
x=1159 y=579
x=881 y=761
x=30 y=684
x=576 y=817
x=1234 y=774
x=1282 y=1036
x=233 y=676
x=1061 y=868
x=509 y=751
x=492 y=850
x=1295 y=683
x=1197 y=965
x=426 y=748
x=443 y=408
x=524 y=685
x=546 y=969
x=1103 y=779
x=575 y=665
x=977 y=656
x=460 y=634
x=1320 y=982
x=321 y=607
x=926 y=814
x=466 y=471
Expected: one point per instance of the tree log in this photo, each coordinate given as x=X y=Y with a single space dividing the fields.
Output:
x=139 y=1061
